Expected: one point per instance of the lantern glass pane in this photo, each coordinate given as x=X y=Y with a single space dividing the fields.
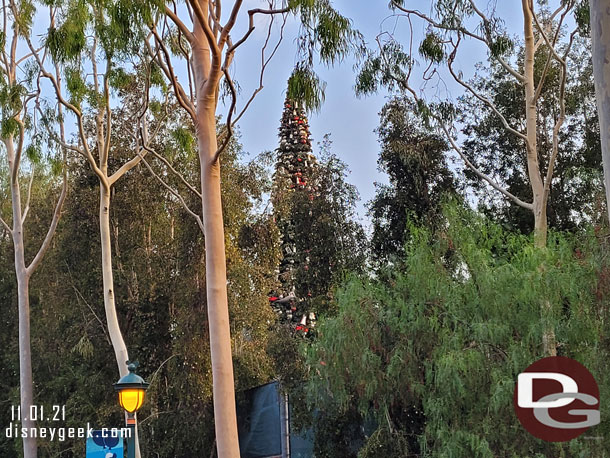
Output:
x=131 y=399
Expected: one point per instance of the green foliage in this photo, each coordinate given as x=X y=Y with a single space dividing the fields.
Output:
x=77 y=88
x=156 y=76
x=34 y=153
x=327 y=33
x=185 y=139
x=24 y=16
x=388 y=68
x=432 y=48
x=9 y=128
x=582 y=16
x=433 y=351
x=418 y=179
x=67 y=41
x=501 y=46
x=575 y=190
x=305 y=86
x=120 y=79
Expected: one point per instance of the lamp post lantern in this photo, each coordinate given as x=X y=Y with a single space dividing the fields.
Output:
x=131 y=389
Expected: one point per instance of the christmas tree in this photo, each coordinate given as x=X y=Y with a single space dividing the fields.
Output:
x=292 y=180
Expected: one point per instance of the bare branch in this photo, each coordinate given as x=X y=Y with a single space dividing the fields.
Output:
x=559 y=122
x=251 y=27
x=264 y=63
x=224 y=34
x=543 y=33
x=82 y=298
x=19 y=151
x=182 y=28
x=51 y=232
x=175 y=172
x=480 y=97
x=229 y=124
x=168 y=69
x=200 y=15
x=6 y=226
x=487 y=23
x=551 y=45
x=482 y=175
x=174 y=193
x=86 y=152
x=29 y=196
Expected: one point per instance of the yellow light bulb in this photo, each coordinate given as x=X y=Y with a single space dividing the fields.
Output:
x=131 y=399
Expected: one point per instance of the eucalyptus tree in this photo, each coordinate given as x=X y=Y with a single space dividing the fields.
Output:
x=23 y=138
x=456 y=27
x=90 y=49
x=205 y=44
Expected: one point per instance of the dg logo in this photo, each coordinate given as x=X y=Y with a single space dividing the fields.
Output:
x=556 y=399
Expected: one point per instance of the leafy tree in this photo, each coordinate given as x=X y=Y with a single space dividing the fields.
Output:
x=206 y=43
x=419 y=177
x=577 y=175
x=23 y=145
x=452 y=25
x=160 y=281
x=433 y=352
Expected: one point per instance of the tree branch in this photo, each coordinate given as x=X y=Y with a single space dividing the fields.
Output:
x=229 y=124
x=175 y=172
x=29 y=196
x=53 y=226
x=174 y=193
x=181 y=26
x=251 y=27
x=169 y=73
x=6 y=226
x=483 y=99
x=482 y=175
x=224 y=34
x=264 y=63
x=200 y=15
x=487 y=23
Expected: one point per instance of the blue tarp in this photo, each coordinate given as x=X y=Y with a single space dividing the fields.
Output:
x=259 y=423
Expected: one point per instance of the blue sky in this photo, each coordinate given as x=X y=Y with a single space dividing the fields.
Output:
x=350 y=121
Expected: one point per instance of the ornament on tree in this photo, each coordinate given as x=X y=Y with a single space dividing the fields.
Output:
x=294 y=167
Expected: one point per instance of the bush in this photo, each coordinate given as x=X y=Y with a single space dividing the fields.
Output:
x=433 y=351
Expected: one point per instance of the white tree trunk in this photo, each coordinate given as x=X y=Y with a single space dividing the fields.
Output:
x=25 y=352
x=600 y=37
x=207 y=77
x=531 y=116
x=225 y=419
x=116 y=336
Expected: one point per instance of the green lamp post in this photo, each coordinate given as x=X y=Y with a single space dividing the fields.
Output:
x=131 y=389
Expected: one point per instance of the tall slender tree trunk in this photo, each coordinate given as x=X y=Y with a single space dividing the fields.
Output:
x=116 y=337
x=549 y=345
x=207 y=77
x=225 y=420
x=531 y=117
x=114 y=330
x=26 y=389
x=600 y=37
